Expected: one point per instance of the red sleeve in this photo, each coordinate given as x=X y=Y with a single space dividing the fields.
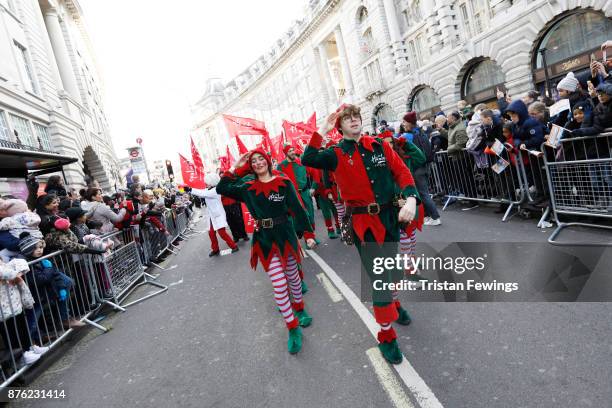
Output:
x=399 y=170
x=316 y=140
x=157 y=223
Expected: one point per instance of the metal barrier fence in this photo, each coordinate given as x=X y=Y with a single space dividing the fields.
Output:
x=44 y=300
x=462 y=176
x=574 y=179
x=580 y=182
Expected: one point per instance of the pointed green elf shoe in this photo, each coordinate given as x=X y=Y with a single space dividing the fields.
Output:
x=404 y=318
x=391 y=351
x=331 y=234
x=294 y=343
x=303 y=317
x=304 y=288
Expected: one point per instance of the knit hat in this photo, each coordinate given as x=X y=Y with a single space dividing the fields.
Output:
x=286 y=148
x=61 y=224
x=14 y=206
x=27 y=244
x=569 y=83
x=605 y=87
x=411 y=117
x=73 y=213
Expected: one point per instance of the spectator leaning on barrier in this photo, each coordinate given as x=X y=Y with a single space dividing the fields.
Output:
x=569 y=89
x=457 y=135
x=98 y=211
x=526 y=131
x=602 y=114
x=439 y=137
x=539 y=112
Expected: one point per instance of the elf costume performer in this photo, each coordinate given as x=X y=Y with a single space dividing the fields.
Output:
x=272 y=200
x=413 y=158
x=366 y=172
x=298 y=174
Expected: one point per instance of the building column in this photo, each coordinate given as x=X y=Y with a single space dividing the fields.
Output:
x=397 y=47
x=58 y=44
x=344 y=63
x=327 y=78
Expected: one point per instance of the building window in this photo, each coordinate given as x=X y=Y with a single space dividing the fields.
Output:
x=416 y=62
x=373 y=77
x=574 y=35
x=24 y=131
x=481 y=82
x=425 y=101
x=362 y=15
x=43 y=136
x=412 y=15
x=367 y=42
x=474 y=14
x=25 y=66
x=5 y=132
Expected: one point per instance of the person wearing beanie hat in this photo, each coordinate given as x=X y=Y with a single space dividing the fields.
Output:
x=280 y=218
x=28 y=243
x=61 y=237
x=302 y=180
x=567 y=85
x=367 y=172
x=602 y=119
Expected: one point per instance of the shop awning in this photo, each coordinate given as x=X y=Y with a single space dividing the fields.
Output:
x=18 y=161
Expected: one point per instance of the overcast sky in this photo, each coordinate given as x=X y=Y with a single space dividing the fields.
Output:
x=154 y=57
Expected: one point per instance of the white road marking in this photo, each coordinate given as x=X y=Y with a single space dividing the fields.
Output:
x=329 y=288
x=387 y=379
x=421 y=392
x=178 y=282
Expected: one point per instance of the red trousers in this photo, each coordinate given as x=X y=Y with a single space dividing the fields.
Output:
x=214 y=242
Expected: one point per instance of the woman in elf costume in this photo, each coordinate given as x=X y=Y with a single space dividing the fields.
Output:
x=272 y=200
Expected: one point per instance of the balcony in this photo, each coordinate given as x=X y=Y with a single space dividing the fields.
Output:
x=18 y=145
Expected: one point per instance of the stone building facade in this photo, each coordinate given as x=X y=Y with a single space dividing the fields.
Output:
x=50 y=90
x=390 y=56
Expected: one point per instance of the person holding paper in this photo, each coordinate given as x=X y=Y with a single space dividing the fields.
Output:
x=568 y=89
x=527 y=132
x=602 y=115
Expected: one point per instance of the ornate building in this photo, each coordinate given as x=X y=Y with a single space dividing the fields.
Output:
x=390 y=56
x=50 y=91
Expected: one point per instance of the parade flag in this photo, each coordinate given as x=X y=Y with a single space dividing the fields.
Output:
x=230 y=158
x=224 y=163
x=278 y=144
x=191 y=176
x=312 y=121
x=243 y=126
x=241 y=147
x=334 y=135
x=197 y=159
x=249 y=221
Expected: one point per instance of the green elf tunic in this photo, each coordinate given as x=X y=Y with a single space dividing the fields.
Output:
x=367 y=172
x=275 y=198
x=413 y=158
x=298 y=174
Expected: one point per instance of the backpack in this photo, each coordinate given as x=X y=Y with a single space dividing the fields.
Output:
x=422 y=142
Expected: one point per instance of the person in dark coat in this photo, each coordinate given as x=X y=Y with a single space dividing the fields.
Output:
x=55 y=186
x=526 y=131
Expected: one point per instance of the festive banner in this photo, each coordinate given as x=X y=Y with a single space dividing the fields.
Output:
x=224 y=164
x=243 y=126
x=191 y=177
x=249 y=221
x=312 y=121
x=197 y=159
x=241 y=147
x=229 y=157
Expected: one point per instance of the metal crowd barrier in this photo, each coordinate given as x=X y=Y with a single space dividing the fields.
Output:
x=580 y=182
x=90 y=282
x=458 y=177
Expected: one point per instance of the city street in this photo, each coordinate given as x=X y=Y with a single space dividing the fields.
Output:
x=215 y=339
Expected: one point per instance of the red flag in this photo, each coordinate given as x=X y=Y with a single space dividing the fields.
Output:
x=224 y=163
x=243 y=126
x=278 y=144
x=191 y=176
x=334 y=135
x=241 y=147
x=197 y=159
x=312 y=121
x=230 y=158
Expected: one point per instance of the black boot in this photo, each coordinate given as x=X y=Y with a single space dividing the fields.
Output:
x=214 y=253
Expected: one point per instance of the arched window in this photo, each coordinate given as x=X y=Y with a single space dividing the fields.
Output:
x=367 y=42
x=481 y=80
x=573 y=35
x=425 y=101
x=362 y=15
x=383 y=112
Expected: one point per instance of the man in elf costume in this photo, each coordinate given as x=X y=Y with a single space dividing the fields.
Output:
x=298 y=174
x=366 y=172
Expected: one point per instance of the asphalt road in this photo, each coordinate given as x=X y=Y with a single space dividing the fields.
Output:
x=215 y=339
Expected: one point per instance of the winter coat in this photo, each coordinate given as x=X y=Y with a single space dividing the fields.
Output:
x=602 y=119
x=56 y=190
x=439 y=140
x=66 y=240
x=216 y=212
x=7 y=241
x=493 y=132
x=457 y=138
x=527 y=131
x=576 y=99
x=14 y=296
x=46 y=279
x=22 y=222
x=100 y=212
x=80 y=230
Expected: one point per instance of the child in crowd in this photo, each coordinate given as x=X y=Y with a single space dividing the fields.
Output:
x=78 y=226
x=577 y=119
x=48 y=284
x=18 y=218
x=61 y=237
x=15 y=296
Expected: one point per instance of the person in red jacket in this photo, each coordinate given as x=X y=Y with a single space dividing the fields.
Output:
x=367 y=172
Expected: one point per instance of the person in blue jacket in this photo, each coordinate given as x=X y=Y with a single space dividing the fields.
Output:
x=527 y=132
